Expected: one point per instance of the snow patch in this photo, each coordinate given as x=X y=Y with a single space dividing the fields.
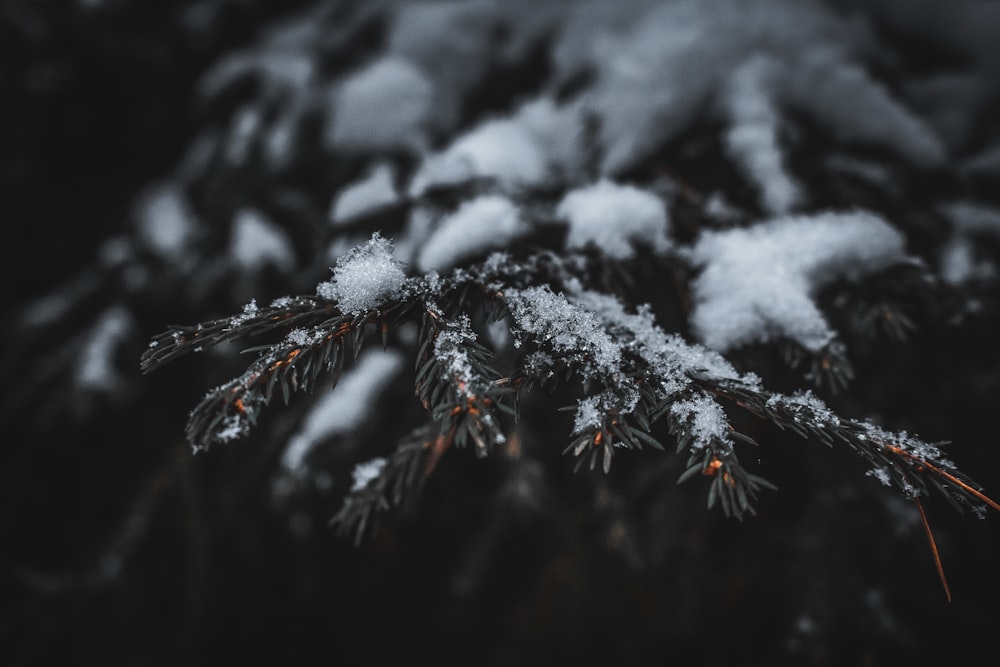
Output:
x=489 y=221
x=374 y=192
x=365 y=278
x=365 y=472
x=96 y=368
x=382 y=107
x=752 y=135
x=704 y=418
x=757 y=284
x=553 y=320
x=257 y=242
x=165 y=222
x=613 y=217
x=539 y=142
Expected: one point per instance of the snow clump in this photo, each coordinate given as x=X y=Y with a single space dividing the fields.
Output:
x=364 y=278
x=487 y=222
x=757 y=284
x=613 y=217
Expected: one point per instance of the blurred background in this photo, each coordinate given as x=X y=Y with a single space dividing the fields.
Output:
x=135 y=153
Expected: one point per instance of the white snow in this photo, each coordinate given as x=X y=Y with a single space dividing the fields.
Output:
x=449 y=349
x=567 y=328
x=343 y=409
x=375 y=191
x=657 y=65
x=233 y=427
x=96 y=368
x=539 y=142
x=958 y=262
x=598 y=326
x=489 y=221
x=365 y=277
x=591 y=411
x=613 y=217
x=165 y=222
x=250 y=310
x=384 y=106
x=673 y=359
x=596 y=329
x=365 y=472
x=805 y=406
x=455 y=44
x=449 y=43
x=716 y=207
x=704 y=418
x=257 y=242
x=558 y=133
x=752 y=135
x=915 y=447
x=881 y=474
x=757 y=284
x=845 y=97
x=500 y=149
x=589 y=414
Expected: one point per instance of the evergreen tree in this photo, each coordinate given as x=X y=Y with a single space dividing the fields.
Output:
x=532 y=332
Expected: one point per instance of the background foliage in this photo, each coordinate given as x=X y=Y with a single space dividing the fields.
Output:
x=122 y=546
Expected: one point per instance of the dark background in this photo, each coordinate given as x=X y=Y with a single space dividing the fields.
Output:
x=94 y=105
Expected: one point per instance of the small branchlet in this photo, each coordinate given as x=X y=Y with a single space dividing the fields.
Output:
x=314 y=344
x=283 y=315
x=897 y=459
x=714 y=457
x=828 y=367
x=615 y=431
x=455 y=384
x=400 y=478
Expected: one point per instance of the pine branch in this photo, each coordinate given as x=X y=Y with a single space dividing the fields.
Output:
x=631 y=373
x=400 y=478
x=455 y=385
x=295 y=364
x=283 y=315
x=898 y=459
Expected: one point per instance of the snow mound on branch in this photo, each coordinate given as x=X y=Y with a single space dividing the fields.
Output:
x=165 y=223
x=705 y=418
x=383 y=107
x=257 y=242
x=613 y=217
x=96 y=366
x=365 y=278
x=657 y=67
x=566 y=327
x=752 y=135
x=456 y=44
x=500 y=149
x=375 y=191
x=487 y=222
x=536 y=144
x=757 y=284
